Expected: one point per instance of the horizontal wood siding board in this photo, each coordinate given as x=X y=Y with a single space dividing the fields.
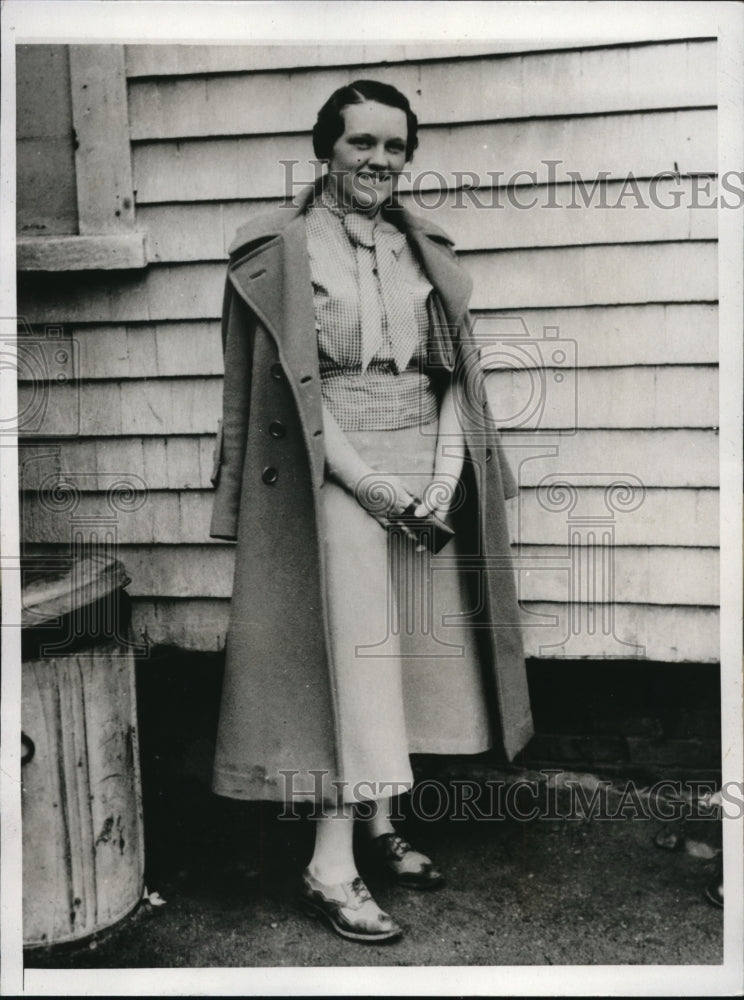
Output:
x=643 y=397
x=488 y=88
x=605 y=336
x=598 y=336
x=659 y=458
x=652 y=632
x=568 y=276
x=487 y=219
x=121 y=351
x=674 y=634
x=133 y=407
x=637 y=575
x=677 y=517
x=198 y=625
x=675 y=396
x=198 y=60
x=653 y=575
x=672 y=517
x=595 y=275
x=173 y=462
x=644 y=144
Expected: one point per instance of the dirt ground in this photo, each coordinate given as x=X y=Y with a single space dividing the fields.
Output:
x=536 y=892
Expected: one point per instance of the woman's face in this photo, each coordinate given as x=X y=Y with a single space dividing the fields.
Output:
x=368 y=157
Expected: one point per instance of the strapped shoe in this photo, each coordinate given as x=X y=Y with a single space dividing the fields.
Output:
x=349 y=909
x=409 y=867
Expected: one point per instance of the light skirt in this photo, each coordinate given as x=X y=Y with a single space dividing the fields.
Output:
x=407 y=672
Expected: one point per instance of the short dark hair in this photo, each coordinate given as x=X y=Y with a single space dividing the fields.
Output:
x=330 y=124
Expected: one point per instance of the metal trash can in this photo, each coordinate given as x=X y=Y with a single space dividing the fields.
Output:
x=83 y=838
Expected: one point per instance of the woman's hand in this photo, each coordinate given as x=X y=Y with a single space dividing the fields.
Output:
x=438 y=496
x=383 y=496
x=380 y=495
x=443 y=491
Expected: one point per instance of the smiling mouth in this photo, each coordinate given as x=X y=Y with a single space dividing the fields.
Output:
x=374 y=178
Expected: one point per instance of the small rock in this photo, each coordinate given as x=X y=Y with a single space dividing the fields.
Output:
x=698 y=849
x=273 y=925
x=669 y=839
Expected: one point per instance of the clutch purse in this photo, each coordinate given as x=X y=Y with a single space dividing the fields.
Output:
x=428 y=532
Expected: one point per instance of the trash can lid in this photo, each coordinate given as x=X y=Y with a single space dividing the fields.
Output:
x=89 y=579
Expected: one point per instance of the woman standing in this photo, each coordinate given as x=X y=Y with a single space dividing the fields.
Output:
x=352 y=394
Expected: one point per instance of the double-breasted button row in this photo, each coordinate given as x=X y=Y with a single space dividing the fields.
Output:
x=270 y=474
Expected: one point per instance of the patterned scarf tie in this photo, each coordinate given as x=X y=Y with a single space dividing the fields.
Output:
x=378 y=247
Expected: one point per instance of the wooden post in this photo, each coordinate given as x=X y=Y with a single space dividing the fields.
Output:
x=103 y=157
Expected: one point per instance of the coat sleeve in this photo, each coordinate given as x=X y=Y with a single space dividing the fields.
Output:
x=238 y=334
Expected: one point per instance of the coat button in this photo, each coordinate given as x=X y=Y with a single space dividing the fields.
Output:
x=277 y=372
x=270 y=475
x=277 y=429
x=489 y=454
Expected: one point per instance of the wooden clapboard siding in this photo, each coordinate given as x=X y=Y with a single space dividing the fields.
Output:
x=166 y=462
x=659 y=458
x=653 y=396
x=644 y=144
x=136 y=350
x=595 y=275
x=571 y=276
x=676 y=517
x=628 y=293
x=599 y=337
x=652 y=632
x=524 y=86
x=639 y=575
x=588 y=397
x=488 y=218
x=642 y=574
x=648 y=334
x=198 y=60
x=134 y=406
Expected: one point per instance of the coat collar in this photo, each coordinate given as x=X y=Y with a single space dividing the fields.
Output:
x=279 y=236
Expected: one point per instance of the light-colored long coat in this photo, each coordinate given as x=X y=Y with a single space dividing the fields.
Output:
x=277 y=720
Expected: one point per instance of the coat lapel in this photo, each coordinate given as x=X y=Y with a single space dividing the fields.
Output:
x=281 y=293
x=273 y=277
x=451 y=281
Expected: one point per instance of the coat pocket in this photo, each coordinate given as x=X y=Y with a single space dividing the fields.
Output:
x=217 y=461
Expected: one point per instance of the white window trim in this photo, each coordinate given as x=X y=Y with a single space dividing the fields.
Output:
x=107 y=238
